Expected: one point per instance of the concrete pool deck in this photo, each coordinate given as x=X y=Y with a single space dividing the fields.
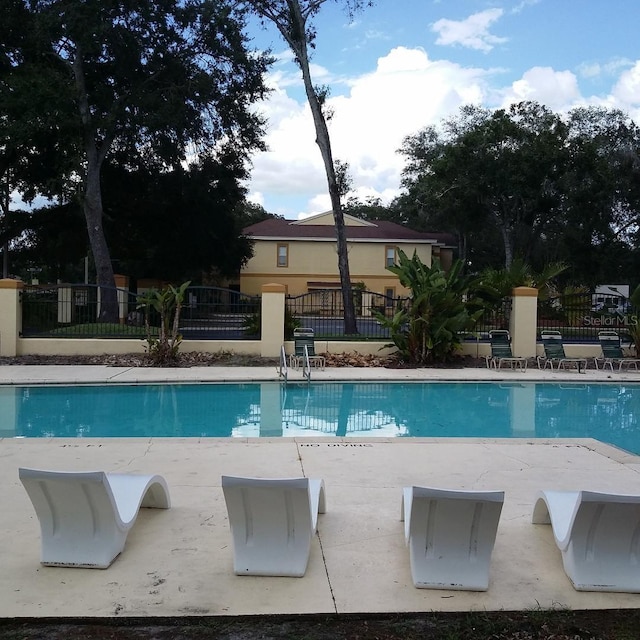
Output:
x=178 y=562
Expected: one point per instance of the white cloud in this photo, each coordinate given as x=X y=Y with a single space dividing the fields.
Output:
x=556 y=89
x=406 y=92
x=590 y=69
x=626 y=92
x=523 y=5
x=472 y=32
x=627 y=89
x=256 y=197
x=610 y=68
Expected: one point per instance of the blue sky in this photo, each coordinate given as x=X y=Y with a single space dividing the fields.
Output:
x=402 y=65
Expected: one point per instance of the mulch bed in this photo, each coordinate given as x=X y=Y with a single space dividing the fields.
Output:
x=229 y=359
x=538 y=624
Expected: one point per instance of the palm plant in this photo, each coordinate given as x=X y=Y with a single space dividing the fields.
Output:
x=634 y=320
x=163 y=349
x=432 y=323
x=520 y=274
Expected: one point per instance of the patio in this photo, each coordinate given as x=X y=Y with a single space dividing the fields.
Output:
x=177 y=563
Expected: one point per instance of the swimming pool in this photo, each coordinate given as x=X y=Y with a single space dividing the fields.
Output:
x=607 y=412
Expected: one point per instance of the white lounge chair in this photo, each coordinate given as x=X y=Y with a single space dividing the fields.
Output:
x=85 y=517
x=272 y=522
x=598 y=535
x=450 y=535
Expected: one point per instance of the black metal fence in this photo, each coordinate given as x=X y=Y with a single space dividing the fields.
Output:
x=212 y=313
x=498 y=317
x=322 y=310
x=73 y=311
x=581 y=316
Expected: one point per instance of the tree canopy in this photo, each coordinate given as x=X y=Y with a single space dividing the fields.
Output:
x=144 y=84
x=531 y=184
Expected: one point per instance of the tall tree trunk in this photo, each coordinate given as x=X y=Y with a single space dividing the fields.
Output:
x=324 y=143
x=92 y=201
x=93 y=214
x=299 y=45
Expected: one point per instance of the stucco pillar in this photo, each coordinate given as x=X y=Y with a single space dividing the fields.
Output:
x=10 y=316
x=272 y=336
x=122 y=284
x=524 y=321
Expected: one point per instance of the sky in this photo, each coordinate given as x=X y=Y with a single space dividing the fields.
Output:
x=403 y=65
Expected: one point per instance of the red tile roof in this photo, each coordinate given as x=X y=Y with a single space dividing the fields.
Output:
x=381 y=230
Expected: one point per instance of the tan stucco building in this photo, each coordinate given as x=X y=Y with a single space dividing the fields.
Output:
x=301 y=254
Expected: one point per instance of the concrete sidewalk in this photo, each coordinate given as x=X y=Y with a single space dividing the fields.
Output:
x=178 y=562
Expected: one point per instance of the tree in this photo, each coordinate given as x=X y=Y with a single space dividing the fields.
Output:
x=143 y=83
x=489 y=168
x=184 y=224
x=545 y=188
x=430 y=327
x=293 y=19
x=177 y=225
x=369 y=209
x=601 y=210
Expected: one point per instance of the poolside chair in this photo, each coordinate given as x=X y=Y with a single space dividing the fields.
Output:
x=554 y=353
x=85 y=517
x=303 y=338
x=272 y=523
x=501 y=351
x=450 y=535
x=598 y=535
x=612 y=352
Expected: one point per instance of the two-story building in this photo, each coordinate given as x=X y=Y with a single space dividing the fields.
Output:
x=301 y=254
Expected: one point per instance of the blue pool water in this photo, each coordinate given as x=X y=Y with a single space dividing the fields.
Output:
x=607 y=412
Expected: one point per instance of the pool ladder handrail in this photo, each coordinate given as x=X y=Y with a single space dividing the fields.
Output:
x=306 y=365
x=283 y=369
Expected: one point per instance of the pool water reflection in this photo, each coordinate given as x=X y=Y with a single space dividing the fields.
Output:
x=607 y=412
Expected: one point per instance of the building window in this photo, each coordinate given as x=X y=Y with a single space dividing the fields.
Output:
x=390 y=256
x=283 y=255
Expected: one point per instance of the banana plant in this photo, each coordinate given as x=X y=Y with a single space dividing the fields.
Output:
x=430 y=326
x=167 y=304
x=634 y=320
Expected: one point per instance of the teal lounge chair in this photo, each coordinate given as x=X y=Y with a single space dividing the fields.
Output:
x=554 y=353
x=612 y=353
x=501 y=352
x=303 y=339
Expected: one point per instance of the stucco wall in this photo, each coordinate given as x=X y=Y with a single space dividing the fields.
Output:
x=317 y=262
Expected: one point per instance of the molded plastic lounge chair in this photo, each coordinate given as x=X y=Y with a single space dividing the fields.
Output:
x=554 y=353
x=501 y=351
x=450 y=535
x=304 y=337
x=85 y=517
x=612 y=352
x=598 y=535
x=272 y=523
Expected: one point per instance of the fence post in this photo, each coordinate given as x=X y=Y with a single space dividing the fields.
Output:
x=524 y=321
x=10 y=316
x=272 y=322
x=122 y=284
x=367 y=301
x=65 y=305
